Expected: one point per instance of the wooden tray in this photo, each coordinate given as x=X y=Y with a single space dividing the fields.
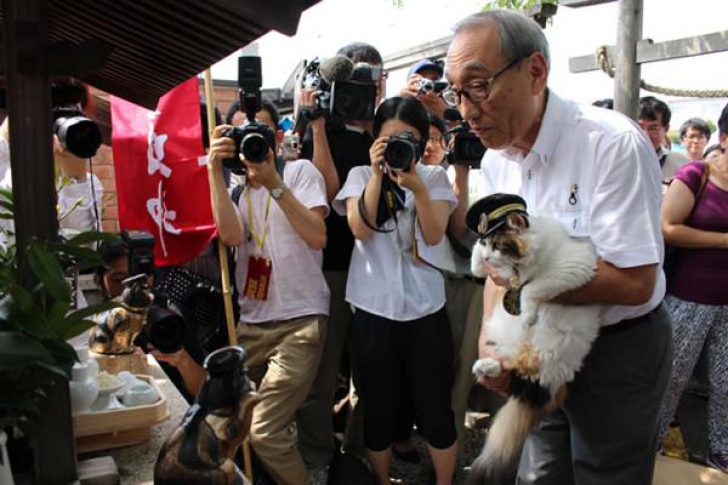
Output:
x=119 y=427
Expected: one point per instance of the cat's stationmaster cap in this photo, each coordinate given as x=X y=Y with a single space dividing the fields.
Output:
x=489 y=213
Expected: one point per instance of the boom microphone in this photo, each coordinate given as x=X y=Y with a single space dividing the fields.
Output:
x=337 y=68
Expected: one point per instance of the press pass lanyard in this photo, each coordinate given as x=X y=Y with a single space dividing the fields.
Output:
x=257 y=241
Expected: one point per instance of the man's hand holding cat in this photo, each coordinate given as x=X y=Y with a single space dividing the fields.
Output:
x=495 y=276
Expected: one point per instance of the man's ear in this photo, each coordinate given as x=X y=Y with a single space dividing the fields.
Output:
x=516 y=222
x=539 y=71
x=723 y=140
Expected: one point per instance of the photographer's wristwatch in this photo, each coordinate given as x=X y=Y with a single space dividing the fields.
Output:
x=277 y=192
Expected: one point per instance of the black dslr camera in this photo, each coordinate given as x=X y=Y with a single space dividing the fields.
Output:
x=402 y=150
x=428 y=86
x=252 y=139
x=343 y=90
x=78 y=134
x=467 y=149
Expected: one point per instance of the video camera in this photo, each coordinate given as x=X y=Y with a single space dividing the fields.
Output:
x=428 y=86
x=77 y=134
x=141 y=252
x=466 y=149
x=252 y=139
x=344 y=90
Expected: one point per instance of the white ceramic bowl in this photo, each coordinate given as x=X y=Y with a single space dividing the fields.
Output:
x=140 y=394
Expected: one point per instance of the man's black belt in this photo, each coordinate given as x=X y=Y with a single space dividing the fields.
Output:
x=629 y=323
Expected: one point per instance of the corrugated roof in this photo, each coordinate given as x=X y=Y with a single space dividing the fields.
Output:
x=156 y=44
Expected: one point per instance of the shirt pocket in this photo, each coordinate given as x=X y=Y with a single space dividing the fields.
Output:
x=575 y=221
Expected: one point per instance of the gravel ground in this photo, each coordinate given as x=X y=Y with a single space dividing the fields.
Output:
x=410 y=474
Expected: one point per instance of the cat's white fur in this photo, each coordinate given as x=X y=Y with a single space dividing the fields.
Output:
x=561 y=335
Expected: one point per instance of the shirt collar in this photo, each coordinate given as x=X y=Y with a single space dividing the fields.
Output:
x=549 y=133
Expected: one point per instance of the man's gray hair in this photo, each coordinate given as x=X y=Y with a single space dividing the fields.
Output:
x=519 y=35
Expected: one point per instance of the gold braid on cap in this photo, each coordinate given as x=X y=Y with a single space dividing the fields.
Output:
x=505 y=210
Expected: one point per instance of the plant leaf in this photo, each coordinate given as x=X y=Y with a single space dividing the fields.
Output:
x=25 y=314
x=47 y=269
x=92 y=236
x=93 y=310
x=77 y=327
x=17 y=350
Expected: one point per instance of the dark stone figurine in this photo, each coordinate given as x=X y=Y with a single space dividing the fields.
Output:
x=202 y=448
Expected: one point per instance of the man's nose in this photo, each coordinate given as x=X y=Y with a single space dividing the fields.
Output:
x=468 y=110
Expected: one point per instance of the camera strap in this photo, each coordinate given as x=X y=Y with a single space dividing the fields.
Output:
x=391 y=201
x=258 y=241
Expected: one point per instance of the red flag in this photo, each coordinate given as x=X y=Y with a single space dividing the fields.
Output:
x=161 y=179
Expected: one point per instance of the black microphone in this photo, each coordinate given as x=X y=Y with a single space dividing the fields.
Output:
x=337 y=68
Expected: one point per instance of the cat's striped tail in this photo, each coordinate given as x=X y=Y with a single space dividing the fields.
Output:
x=506 y=437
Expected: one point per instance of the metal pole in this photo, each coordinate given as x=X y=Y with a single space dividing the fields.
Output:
x=628 y=72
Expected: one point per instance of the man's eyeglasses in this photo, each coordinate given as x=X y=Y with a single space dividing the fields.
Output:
x=477 y=91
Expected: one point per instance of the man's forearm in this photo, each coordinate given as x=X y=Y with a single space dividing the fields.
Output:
x=614 y=286
x=227 y=220
x=460 y=186
x=324 y=162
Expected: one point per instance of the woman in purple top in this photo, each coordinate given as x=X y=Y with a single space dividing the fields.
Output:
x=697 y=297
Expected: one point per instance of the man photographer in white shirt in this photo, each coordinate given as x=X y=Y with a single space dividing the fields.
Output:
x=596 y=172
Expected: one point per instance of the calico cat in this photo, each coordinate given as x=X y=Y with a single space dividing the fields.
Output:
x=545 y=342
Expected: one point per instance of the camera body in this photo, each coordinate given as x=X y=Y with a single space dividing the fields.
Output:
x=466 y=149
x=291 y=147
x=430 y=86
x=252 y=139
x=402 y=150
x=351 y=95
x=78 y=134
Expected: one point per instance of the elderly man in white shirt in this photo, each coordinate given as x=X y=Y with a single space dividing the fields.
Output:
x=596 y=172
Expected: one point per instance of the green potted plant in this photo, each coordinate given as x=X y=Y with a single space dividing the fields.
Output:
x=37 y=319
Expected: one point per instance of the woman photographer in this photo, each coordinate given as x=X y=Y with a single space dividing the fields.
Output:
x=403 y=340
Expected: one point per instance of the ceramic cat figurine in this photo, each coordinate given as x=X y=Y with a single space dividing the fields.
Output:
x=545 y=342
x=201 y=450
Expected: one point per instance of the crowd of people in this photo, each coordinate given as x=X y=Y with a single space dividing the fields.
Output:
x=353 y=259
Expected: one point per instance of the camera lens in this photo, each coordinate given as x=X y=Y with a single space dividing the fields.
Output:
x=165 y=329
x=254 y=147
x=79 y=135
x=399 y=154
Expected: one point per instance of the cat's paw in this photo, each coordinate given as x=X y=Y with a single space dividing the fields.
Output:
x=487 y=367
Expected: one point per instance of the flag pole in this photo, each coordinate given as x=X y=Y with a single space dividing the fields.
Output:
x=222 y=250
x=224 y=267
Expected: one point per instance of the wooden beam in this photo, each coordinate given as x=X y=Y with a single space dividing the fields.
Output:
x=648 y=51
x=431 y=50
x=627 y=73
x=29 y=112
x=583 y=3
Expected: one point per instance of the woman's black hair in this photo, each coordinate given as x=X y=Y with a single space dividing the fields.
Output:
x=407 y=110
x=439 y=123
x=110 y=251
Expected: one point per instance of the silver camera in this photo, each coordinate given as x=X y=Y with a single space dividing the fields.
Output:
x=428 y=86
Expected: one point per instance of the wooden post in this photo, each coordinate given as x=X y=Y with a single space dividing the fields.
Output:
x=628 y=71
x=29 y=112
